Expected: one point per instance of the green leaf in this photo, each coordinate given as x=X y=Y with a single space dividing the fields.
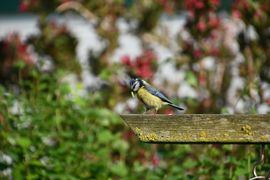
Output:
x=20 y=64
x=119 y=169
x=189 y=163
x=120 y=145
x=240 y=171
x=17 y=171
x=23 y=142
x=191 y=79
x=35 y=162
x=104 y=137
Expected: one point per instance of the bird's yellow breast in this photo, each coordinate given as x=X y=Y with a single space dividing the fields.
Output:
x=149 y=99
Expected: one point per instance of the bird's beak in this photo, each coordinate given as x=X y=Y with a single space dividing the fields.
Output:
x=132 y=93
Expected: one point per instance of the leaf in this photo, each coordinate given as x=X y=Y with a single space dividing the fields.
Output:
x=104 y=137
x=35 y=162
x=189 y=163
x=23 y=142
x=240 y=171
x=17 y=171
x=119 y=169
x=120 y=145
x=191 y=79
x=20 y=64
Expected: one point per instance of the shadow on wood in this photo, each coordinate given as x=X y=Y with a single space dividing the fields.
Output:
x=200 y=128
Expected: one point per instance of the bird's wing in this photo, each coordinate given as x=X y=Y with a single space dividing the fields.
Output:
x=157 y=93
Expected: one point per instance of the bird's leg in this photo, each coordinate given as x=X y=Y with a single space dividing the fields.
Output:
x=150 y=110
x=146 y=109
x=156 y=110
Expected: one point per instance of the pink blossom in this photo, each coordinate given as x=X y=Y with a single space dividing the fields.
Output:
x=236 y=13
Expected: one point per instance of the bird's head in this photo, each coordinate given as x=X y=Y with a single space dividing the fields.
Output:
x=135 y=85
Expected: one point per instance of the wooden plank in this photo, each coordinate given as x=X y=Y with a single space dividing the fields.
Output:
x=200 y=128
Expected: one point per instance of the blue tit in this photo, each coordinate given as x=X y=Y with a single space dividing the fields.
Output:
x=149 y=96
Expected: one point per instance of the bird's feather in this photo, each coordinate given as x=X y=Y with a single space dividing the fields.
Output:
x=157 y=93
x=177 y=107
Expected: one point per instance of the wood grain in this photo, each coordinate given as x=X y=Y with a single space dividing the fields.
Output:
x=200 y=128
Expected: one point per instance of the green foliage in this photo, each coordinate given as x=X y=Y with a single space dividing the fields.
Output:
x=50 y=135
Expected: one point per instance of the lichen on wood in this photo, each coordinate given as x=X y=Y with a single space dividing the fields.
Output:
x=200 y=128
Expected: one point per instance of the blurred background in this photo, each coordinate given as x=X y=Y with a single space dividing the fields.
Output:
x=64 y=67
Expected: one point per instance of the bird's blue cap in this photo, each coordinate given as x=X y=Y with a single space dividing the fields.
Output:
x=131 y=82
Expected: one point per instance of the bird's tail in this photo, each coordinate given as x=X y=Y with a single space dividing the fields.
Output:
x=176 y=107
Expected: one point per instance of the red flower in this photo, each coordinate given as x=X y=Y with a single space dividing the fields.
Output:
x=141 y=156
x=155 y=160
x=189 y=5
x=168 y=111
x=22 y=48
x=213 y=21
x=167 y=5
x=214 y=34
x=144 y=72
x=192 y=5
x=243 y=4
x=214 y=2
x=128 y=135
x=202 y=79
x=199 y=4
x=268 y=102
x=258 y=15
x=201 y=26
x=149 y=55
x=215 y=52
x=24 y=6
x=126 y=60
x=142 y=65
x=191 y=14
x=197 y=53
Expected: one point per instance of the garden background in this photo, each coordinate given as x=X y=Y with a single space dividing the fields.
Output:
x=63 y=86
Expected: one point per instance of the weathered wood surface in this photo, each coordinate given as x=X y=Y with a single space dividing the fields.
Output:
x=200 y=128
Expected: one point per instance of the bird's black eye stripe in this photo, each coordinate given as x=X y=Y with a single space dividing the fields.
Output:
x=133 y=86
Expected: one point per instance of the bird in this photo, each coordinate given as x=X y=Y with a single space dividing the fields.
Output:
x=149 y=96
